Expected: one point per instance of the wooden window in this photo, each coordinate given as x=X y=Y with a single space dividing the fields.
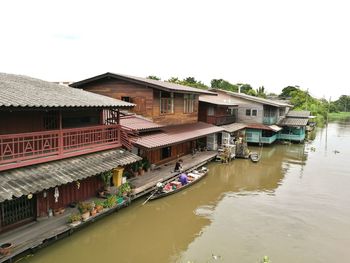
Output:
x=189 y=100
x=165 y=152
x=251 y=112
x=166 y=102
x=210 y=111
x=127 y=99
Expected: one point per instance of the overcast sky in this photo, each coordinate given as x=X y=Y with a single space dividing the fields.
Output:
x=274 y=43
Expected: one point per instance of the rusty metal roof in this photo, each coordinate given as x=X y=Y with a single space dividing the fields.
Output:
x=234 y=127
x=158 y=84
x=23 y=91
x=293 y=122
x=298 y=114
x=139 y=123
x=176 y=134
x=35 y=178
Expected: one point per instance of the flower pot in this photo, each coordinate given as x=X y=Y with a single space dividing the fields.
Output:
x=99 y=208
x=141 y=172
x=6 y=248
x=61 y=210
x=93 y=212
x=85 y=216
x=56 y=212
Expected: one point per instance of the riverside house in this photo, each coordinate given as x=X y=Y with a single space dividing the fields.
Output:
x=258 y=116
x=168 y=127
x=55 y=141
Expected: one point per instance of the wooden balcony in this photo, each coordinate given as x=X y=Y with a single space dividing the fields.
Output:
x=17 y=150
x=221 y=120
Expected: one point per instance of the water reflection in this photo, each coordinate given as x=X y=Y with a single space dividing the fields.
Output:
x=241 y=211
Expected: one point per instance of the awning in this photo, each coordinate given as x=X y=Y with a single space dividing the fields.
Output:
x=293 y=122
x=139 y=123
x=176 y=134
x=233 y=127
x=35 y=178
x=275 y=128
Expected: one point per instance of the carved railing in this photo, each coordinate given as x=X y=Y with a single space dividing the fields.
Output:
x=29 y=148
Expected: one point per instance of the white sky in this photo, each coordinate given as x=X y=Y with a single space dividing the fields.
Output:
x=274 y=43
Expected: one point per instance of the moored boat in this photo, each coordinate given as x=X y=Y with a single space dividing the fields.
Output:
x=254 y=157
x=175 y=186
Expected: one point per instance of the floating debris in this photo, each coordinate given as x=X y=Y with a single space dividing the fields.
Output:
x=215 y=257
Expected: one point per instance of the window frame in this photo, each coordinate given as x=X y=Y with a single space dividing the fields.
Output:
x=166 y=103
x=189 y=103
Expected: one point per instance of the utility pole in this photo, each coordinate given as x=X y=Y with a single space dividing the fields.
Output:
x=329 y=105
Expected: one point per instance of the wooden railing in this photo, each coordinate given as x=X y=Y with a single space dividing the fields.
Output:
x=23 y=149
x=221 y=120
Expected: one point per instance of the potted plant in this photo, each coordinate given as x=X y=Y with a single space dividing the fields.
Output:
x=125 y=189
x=106 y=178
x=135 y=168
x=99 y=206
x=93 y=210
x=84 y=209
x=146 y=164
x=141 y=171
x=5 y=249
x=74 y=219
x=110 y=201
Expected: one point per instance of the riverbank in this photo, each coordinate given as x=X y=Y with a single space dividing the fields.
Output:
x=338 y=115
x=39 y=234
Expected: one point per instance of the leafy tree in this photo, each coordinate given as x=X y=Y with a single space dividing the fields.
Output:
x=223 y=84
x=286 y=92
x=153 y=77
x=261 y=92
x=189 y=81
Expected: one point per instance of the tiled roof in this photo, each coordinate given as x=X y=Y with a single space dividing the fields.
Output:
x=255 y=99
x=32 y=179
x=293 y=121
x=162 y=85
x=234 y=127
x=298 y=114
x=23 y=91
x=176 y=134
x=139 y=123
x=220 y=99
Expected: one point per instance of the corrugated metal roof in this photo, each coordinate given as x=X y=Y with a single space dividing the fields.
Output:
x=23 y=91
x=220 y=99
x=234 y=127
x=253 y=98
x=176 y=134
x=32 y=179
x=163 y=85
x=298 y=114
x=293 y=122
x=258 y=126
x=139 y=123
x=275 y=128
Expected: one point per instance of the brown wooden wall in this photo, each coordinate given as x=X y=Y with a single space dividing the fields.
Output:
x=177 y=150
x=147 y=100
x=68 y=193
x=203 y=111
x=141 y=95
x=178 y=117
x=32 y=121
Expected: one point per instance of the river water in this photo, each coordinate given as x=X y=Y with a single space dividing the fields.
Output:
x=293 y=206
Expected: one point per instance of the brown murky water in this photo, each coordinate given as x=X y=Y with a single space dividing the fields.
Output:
x=294 y=206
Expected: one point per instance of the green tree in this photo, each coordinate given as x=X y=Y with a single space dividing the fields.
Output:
x=286 y=92
x=153 y=77
x=260 y=92
x=223 y=84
